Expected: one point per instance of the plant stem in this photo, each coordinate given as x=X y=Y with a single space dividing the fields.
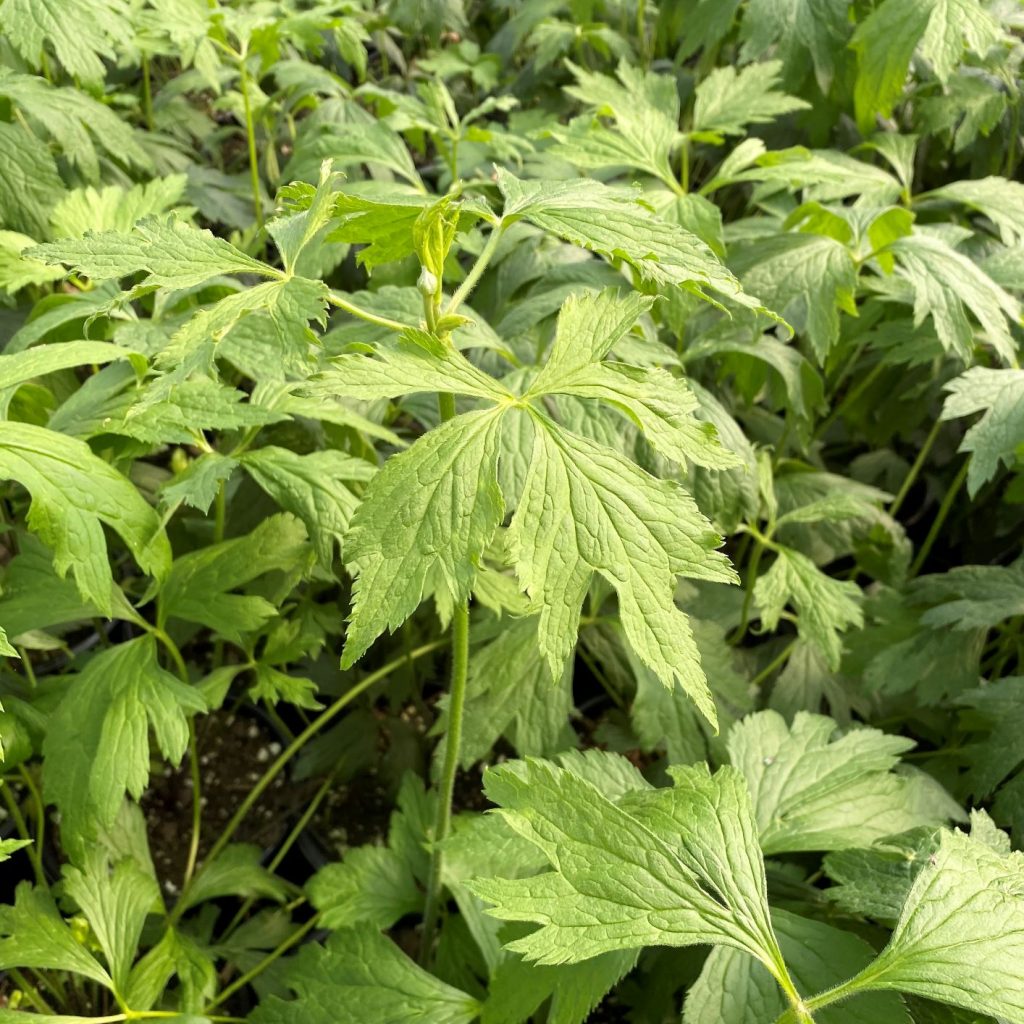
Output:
x=219 y=513
x=684 y=170
x=250 y=135
x=851 y=397
x=197 y=805
x=476 y=271
x=940 y=519
x=365 y=314
x=147 y=94
x=23 y=832
x=452 y=748
x=293 y=940
x=453 y=744
x=748 y=597
x=38 y=807
x=915 y=469
x=288 y=843
x=318 y=723
x=773 y=664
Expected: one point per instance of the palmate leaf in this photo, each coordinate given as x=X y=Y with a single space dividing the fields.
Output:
x=432 y=509
x=97 y=746
x=171 y=253
x=646 y=112
x=946 y=285
x=1000 y=200
x=960 y=937
x=80 y=33
x=825 y=607
x=638 y=532
x=887 y=39
x=676 y=866
x=29 y=183
x=730 y=99
x=733 y=988
x=430 y=514
x=73 y=493
x=614 y=223
x=360 y=976
x=809 y=279
x=999 y=435
x=812 y=790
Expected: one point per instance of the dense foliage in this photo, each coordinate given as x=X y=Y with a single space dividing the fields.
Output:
x=601 y=414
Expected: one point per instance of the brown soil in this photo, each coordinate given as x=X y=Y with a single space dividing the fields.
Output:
x=234 y=751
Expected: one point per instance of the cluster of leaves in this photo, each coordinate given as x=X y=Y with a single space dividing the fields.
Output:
x=652 y=371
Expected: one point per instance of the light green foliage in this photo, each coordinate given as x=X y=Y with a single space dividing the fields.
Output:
x=997 y=437
x=630 y=875
x=825 y=606
x=98 y=746
x=728 y=100
x=73 y=493
x=734 y=988
x=812 y=790
x=959 y=935
x=361 y=975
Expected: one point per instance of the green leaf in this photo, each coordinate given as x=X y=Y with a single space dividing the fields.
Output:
x=874 y=881
x=997 y=437
x=825 y=607
x=636 y=531
x=727 y=100
x=170 y=252
x=78 y=123
x=361 y=976
x=97 y=745
x=189 y=408
x=615 y=224
x=377 y=885
x=35 y=362
x=198 y=587
x=309 y=213
x=80 y=33
x=73 y=493
x=8 y=847
x=733 y=988
x=33 y=934
x=311 y=487
x=668 y=717
x=960 y=936
x=429 y=514
x=237 y=871
x=115 y=903
x=197 y=485
x=795 y=30
x=631 y=876
x=946 y=285
x=1000 y=200
x=518 y=988
x=887 y=39
x=114 y=207
x=346 y=145
x=814 y=790
x=510 y=692
x=662 y=406
x=997 y=714
x=646 y=112
x=29 y=183
x=807 y=278
x=416 y=363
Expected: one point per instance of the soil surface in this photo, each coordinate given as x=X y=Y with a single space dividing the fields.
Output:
x=234 y=751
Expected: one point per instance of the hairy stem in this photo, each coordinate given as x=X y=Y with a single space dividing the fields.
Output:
x=365 y=314
x=197 y=805
x=476 y=271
